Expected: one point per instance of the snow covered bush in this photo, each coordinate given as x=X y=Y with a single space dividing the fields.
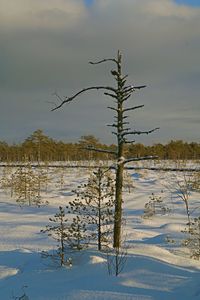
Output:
x=193 y=240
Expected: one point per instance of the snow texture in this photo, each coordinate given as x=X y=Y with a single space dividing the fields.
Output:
x=155 y=269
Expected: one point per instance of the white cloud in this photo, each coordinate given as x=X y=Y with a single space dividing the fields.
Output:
x=41 y=14
x=168 y=8
x=162 y=8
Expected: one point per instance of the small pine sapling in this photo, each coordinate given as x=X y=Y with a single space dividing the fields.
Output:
x=24 y=186
x=58 y=232
x=95 y=204
x=68 y=234
x=6 y=178
x=60 y=176
x=154 y=206
x=27 y=184
x=42 y=180
x=77 y=237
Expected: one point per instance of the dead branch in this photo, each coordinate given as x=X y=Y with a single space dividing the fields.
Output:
x=132 y=88
x=133 y=108
x=111 y=95
x=139 y=158
x=69 y=99
x=140 y=132
x=110 y=107
x=103 y=60
x=129 y=142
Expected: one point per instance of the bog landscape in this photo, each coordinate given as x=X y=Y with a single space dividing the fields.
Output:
x=99 y=150
x=57 y=218
x=92 y=221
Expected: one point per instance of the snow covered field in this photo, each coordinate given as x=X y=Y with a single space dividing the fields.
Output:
x=157 y=266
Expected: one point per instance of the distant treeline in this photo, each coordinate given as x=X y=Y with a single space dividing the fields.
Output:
x=39 y=147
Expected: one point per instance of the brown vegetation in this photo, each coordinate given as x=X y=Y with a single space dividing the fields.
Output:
x=39 y=147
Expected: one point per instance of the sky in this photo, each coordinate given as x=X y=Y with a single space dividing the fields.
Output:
x=45 y=47
x=186 y=2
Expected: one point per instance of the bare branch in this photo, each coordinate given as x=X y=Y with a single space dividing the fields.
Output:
x=139 y=158
x=126 y=129
x=115 y=133
x=124 y=78
x=125 y=117
x=132 y=88
x=119 y=124
x=69 y=99
x=115 y=73
x=126 y=98
x=112 y=125
x=115 y=109
x=129 y=142
x=139 y=87
x=124 y=123
x=111 y=95
x=133 y=108
x=103 y=60
x=140 y=132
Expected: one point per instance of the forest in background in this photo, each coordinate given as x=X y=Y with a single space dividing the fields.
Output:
x=40 y=147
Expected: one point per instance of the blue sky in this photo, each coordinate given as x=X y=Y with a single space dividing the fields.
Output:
x=189 y=2
x=88 y=2
x=186 y=2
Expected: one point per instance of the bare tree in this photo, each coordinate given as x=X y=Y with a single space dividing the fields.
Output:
x=182 y=187
x=116 y=260
x=121 y=93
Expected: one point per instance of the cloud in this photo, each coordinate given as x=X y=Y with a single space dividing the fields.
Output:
x=166 y=8
x=46 y=45
x=41 y=14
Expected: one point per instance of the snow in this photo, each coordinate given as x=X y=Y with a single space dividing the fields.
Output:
x=155 y=269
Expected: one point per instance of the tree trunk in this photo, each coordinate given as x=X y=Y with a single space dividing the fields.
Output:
x=118 y=206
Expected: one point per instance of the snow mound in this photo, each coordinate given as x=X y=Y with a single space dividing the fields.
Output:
x=104 y=295
x=153 y=280
x=97 y=260
x=164 y=255
x=7 y=272
x=174 y=227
